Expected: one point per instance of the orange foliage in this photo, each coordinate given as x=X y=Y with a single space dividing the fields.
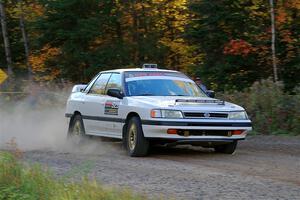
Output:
x=281 y=16
x=238 y=47
x=40 y=70
x=36 y=9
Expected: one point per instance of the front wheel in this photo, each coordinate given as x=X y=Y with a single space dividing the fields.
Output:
x=226 y=148
x=137 y=145
x=76 y=131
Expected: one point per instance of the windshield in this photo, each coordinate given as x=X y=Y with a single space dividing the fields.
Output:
x=162 y=86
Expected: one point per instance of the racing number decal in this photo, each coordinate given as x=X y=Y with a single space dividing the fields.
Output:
x=111 y=107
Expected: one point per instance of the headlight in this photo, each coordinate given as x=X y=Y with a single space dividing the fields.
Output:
x=238 y=115
x=166 y=114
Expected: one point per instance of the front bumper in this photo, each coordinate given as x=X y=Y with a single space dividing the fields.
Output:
x=158 y=130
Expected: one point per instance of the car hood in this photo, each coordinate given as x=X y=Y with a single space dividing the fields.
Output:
x=185 y=103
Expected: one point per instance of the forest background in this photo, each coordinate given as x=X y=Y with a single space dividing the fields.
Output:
x=227 y=43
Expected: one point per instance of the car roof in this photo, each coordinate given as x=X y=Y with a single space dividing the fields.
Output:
x=138 y=70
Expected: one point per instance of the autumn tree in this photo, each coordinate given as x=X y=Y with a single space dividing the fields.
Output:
x=235 y=37
x=73 y=26
x=225 y=32
x=226 y=42
x=288 y=42
x=95 y=35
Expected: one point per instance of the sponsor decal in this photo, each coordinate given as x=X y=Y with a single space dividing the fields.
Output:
x=111 y=107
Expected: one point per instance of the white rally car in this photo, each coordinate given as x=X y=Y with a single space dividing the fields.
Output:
x=149 y=105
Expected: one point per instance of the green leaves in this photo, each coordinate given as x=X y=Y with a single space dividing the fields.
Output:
x=218 y=23
x=225 y=42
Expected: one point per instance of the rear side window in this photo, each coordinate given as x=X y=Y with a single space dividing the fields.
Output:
x=100 y=84
x=115 y=82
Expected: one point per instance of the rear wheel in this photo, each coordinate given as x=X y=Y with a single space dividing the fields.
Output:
x=76 y=131
x=137 y=145
x=226 y=148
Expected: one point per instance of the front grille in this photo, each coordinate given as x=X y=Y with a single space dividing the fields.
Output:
x=205 y=115
x=204 y=133
x=218 y=115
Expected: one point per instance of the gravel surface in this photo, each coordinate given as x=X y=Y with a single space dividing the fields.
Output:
x=263 y=167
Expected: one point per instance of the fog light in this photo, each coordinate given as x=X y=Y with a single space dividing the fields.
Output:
x=172 y=131
x=186 y=133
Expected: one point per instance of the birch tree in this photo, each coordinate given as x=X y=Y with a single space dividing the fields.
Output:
x=274 y=61
x=24 y=37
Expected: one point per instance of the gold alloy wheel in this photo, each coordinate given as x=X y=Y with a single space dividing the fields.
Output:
x=77 y=128
x=132 y=136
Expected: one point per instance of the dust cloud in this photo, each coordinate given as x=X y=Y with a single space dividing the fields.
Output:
x=33 y=129
x=41 y=126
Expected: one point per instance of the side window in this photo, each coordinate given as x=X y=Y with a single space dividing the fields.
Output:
x=100 y=84
x=89 y=85
x=115 y=82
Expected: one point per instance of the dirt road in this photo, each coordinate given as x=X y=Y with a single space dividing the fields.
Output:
x=264 y=167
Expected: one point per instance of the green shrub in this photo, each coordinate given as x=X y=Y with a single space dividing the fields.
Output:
x=18 y=182
x=271 y=110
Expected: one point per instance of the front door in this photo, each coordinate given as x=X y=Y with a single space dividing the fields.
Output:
x=114 y=120
x=93 y=106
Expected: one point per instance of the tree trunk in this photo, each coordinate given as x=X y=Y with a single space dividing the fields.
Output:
x=25 y=39
x=274 y=60
x=5 y=39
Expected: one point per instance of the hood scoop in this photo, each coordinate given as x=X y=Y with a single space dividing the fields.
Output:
x=199 y=101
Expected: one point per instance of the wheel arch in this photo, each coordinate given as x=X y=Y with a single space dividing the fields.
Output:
x=76 y=112
x=129 y=116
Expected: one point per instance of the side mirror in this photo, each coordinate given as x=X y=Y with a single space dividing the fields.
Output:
x=210 y=93
x=78 y=88
x=115 y=93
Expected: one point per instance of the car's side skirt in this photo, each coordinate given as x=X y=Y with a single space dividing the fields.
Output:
x=103 y=135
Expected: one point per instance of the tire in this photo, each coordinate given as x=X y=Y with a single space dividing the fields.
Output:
x=135 y=142
x=76 y=131
x=226 y=148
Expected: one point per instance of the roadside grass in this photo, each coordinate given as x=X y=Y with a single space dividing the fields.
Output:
x=21 y=182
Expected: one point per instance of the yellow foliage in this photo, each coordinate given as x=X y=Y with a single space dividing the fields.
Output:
x=174 y=18
x=293 y=4
x=30 y=11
